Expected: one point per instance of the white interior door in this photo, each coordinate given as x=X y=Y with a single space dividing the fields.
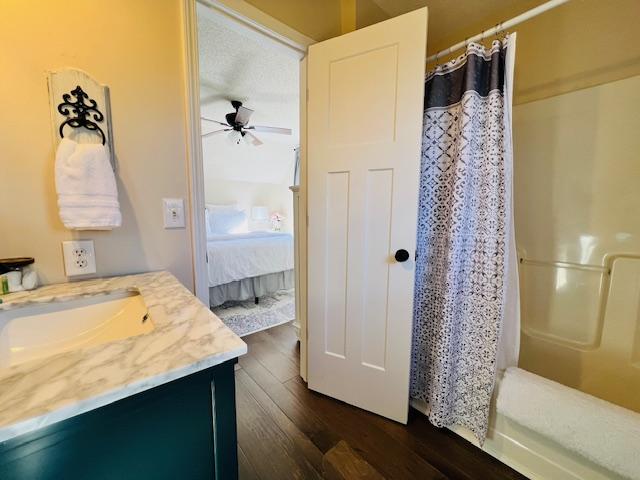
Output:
x=365 y=104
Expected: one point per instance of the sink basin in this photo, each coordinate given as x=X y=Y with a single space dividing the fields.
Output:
x=39 y=331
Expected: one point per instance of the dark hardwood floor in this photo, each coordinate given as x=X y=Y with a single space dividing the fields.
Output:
x=286 y=431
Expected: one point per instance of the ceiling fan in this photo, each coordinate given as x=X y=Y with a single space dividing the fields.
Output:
x=237 y=126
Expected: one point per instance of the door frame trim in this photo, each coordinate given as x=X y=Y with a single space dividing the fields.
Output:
x=236 y=14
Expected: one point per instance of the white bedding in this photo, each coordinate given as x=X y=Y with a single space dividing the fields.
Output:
x=236 y=256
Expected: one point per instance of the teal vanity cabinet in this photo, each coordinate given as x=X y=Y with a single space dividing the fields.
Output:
x=184 y=429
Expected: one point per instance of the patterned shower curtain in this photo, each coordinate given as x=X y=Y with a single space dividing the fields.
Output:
x=465 y=287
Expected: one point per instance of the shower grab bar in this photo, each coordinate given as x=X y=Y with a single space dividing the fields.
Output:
x=571 y=265
x=603 y=294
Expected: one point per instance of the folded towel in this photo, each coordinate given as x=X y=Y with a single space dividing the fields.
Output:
x=605 y=433
x=86 y=186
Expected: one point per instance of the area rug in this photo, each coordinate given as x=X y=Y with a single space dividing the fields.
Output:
x=246 y=317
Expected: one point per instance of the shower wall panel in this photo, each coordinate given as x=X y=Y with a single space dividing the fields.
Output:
x=577 y=215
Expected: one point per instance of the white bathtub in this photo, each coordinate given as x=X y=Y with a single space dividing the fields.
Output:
x=535 y=455
x=578 y=237
x=599 y=356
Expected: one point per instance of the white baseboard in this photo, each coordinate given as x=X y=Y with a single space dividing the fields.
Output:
x=296 y=325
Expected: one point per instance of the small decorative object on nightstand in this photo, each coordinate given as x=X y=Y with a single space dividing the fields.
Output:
x=276 y=221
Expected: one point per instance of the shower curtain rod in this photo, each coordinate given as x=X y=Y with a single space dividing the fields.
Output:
x=534 y=12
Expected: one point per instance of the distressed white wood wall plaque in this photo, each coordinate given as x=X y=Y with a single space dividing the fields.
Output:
x=65 y=80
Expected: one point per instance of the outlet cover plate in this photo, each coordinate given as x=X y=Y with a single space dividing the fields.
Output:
x=79 y=257
x=173 y=212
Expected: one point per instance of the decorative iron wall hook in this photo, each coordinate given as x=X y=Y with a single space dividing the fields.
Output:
x=86 y=114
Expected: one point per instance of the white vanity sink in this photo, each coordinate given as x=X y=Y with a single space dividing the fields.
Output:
x=38 y=331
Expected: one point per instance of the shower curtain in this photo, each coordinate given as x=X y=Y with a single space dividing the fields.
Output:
x=466 y=311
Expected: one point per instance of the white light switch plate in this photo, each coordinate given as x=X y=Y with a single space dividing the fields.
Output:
x=79 y=257
x=173 y=212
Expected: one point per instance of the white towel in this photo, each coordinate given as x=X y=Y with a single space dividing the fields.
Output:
x=86 y=186
x=605 y=433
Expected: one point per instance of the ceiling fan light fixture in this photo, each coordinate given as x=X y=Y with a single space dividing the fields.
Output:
x=243 y=115
x=237 y=123
x=234 y=137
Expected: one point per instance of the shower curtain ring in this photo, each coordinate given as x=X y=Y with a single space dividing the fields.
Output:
x=505 y=35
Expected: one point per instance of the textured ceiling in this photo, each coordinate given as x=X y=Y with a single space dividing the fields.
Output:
x=234 y=66
x=237 y=66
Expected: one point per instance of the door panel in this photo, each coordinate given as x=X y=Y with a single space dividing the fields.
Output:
x=337 y=231
x=365 y=104
x=379 y=201
x=376 y=99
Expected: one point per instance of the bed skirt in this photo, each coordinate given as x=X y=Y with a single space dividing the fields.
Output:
x=251 y=287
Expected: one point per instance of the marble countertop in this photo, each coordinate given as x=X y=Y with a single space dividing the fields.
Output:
x=187 y=338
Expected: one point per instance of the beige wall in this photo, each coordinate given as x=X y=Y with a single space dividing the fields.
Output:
x=251 y=176
x=318 y=19
x=368 y=13
x=577 y=45
x=135 y=47
x=250 y=194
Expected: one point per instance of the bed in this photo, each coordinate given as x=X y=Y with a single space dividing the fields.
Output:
x=248 y=265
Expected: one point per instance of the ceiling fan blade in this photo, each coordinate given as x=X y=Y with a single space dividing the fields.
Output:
x=243 y=115
x=214 y=121
x=216 y=132
x=283 y=131
x=250 y=137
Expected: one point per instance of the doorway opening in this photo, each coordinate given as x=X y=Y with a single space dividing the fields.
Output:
x=250 y=134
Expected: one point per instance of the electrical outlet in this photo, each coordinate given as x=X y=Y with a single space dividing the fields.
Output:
x=79 y=257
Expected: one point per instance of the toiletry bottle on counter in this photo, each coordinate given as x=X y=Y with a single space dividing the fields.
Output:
x=14 y=277
x=4 y=284
x=29 y=278
x=17 y=274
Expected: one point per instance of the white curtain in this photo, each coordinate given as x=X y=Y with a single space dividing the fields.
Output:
x=466 y=320
x=509 y=345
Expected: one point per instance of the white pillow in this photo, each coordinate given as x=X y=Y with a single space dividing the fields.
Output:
x=207 y=222
x=215 y=206
x=224 y=219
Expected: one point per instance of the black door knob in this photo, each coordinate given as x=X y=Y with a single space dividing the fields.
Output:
x=401 y=255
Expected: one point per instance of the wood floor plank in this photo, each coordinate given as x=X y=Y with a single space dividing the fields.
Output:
x=245 y=469
x=390 y=458
x=286 y=333
x=344 y=463
x=279 y=364
x=305 y=450
x=300 y=414
x=254 y=337
x=449 y=453
x=285 y=339
x=282 y=422
x=282 y=339
x=271 y=452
